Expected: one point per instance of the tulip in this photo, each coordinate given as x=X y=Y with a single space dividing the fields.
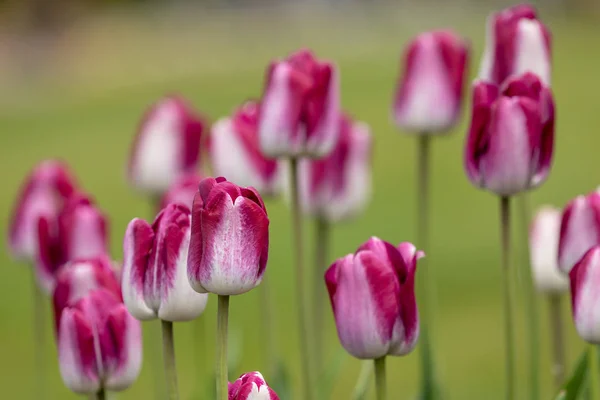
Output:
x=182 y=191
x=300 y=107
x=99 y=344
x=373 y=299
x=230 y=238
x=516 y=43
x=154 y=281
x=511 y=137
x=339 y=186
x=543 y=249
x=251 y=386
x=167 y=145
x=236 y=154
x=429 y=95
x=579 y=229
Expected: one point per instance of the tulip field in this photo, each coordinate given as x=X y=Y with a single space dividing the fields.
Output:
x=88 y=116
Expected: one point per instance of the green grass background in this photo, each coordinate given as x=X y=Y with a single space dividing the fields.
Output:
x=88 y=116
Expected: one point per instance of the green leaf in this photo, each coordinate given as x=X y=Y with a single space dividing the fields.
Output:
x=573 y=387
x=280 y=381
x=362 y=384
x=331 y=373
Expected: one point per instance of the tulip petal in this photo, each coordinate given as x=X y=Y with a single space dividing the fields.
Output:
x=585 y=277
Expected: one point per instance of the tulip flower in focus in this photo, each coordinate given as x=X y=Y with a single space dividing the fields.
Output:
x=511 y=138
x=154 y=280
x=339 y=186
x=579 y=229
x=585 y=295
x=182 y=191
x=251 y=386
x=429 y=95
x=99 y=344
x=236 y=154
x=543 y=250
x=516 y=43
x=167 y=145
x=373 y=299
x=230 y=238
x=300 y=106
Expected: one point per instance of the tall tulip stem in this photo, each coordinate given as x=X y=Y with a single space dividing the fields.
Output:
x=101 y=395
x=322 y=237
x=39 y=344
x=558 y=340
x=303 y=321
x=508 y=298
x=594 y=372
x=169 y=359
x=222 y=332
x=380 y=383
x=362 y=383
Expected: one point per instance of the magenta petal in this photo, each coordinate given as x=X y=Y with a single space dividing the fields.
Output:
x=585 y=278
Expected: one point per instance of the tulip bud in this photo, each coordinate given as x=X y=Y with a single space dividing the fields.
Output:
x=339 y=186
x=43 y=194
x=579 y=229
x=236 y=154
x=543 y=250
x=99 y=344
x=251 y=386
x=182 y=191
x=585 y=301
x=300 y=107
x=230 y=238
x=373 y=299
x=516 y=43
x=511 y=137
x=154 y=281
x=167 y=145
x=77 y=279
x=429 y=95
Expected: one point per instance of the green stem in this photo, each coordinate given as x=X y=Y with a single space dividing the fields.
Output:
x=101 y=395
x=268 y=329
x=362 y=384
x=558 y=340
x=169 y=359
x=322 y=229
x=594 y=373
x=39 y=344
x=508 y=300
x=303 y=321
x=380 y=383
x=221 y=367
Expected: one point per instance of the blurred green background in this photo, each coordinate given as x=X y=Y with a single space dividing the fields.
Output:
x=79 y=95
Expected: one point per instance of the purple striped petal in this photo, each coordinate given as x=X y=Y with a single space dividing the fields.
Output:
x=585 y=296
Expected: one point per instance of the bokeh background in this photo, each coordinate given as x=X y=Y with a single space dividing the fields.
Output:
x=75 y=77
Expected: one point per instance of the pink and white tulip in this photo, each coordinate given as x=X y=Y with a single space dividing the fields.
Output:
x=229 y=245
x=167 y=145
x=300 y=107
x=236 y=154
x=579 y=229
x=182 y=191
x=516 y=43
x=543 y=250
x=154 y=281
x=339 y=186
x=373 y=299
x=251 y=386
x=99 y=344
x=429 y=95
x=585 y=295
x=511 y=138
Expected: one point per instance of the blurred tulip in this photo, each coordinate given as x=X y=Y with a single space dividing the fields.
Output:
x=167 y=145
x=236 y=154
x=579 y=229
x=300 y=107
x=373 y=299
x=585 y=295
x=251 y=386
x=154 y=281
x=182 y=191
x=339 y=186
x=230 y=238
x=429 y=94
x=543 y=250
x=516 y=43
x=43 y=194
x=511 y=138
x=99 y=344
